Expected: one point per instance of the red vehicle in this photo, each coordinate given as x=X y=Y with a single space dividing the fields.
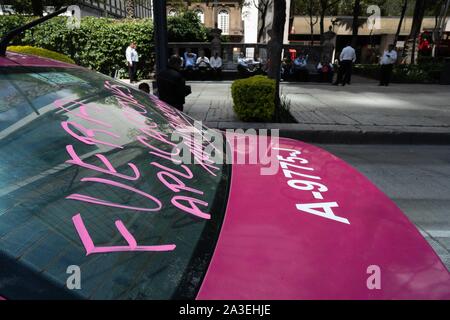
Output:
x=88 y=183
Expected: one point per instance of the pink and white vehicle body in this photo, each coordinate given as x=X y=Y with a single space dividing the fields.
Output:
x=317 y=229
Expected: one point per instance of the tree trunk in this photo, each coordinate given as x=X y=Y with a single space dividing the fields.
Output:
x=441 y=18
x=355 y=24
x=402 y=17
x=419 y=12
x=275 y=48
x=312 y=20
x=38 y=7
x=263 y=22
x=311 y=26
x=322 y=23
x=323 y=5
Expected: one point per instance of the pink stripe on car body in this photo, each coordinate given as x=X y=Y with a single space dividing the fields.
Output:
x=268 y=249
x=13 y=59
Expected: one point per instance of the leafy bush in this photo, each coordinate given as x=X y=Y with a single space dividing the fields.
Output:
x=41 y=52
x=367 y=70
x=254 y=98
x=98 y=44
x=405 y=73
x=10 y=22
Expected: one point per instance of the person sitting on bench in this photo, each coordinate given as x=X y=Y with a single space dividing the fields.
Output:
x=216 y=65
x=325 y=70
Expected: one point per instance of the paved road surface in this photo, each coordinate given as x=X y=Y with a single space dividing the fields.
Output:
x=416 y=177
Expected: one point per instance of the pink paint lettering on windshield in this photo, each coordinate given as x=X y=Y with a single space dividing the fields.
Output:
x=82 y=111
x=187 y=175
x=176 y=185
x=89 y=134
x=132 y=244
x=110 y=169
x=192 y=208
x=107 y=203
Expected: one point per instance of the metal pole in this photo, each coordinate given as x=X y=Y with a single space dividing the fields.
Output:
x=160 y=21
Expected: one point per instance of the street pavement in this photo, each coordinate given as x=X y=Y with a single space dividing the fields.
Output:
x=363 y=109
x=416 y=178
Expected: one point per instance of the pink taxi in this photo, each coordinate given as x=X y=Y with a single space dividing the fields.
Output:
x=93 y=205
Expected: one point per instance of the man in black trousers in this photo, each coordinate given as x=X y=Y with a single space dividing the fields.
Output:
x=132 y=61
x=387 y=64
x=347 y=58
x=172 y=87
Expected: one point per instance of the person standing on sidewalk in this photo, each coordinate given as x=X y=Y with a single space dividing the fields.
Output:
x=132 y=61
x=172 y=87
x=347 y=59
x=387 y=64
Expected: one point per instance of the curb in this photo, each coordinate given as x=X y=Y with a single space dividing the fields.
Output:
x=348 y=134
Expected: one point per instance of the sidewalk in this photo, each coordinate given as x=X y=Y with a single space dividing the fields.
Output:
x=360 y=113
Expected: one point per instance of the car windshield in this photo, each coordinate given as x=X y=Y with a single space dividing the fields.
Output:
x=92 y=202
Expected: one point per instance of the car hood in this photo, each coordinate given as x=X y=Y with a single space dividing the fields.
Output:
x=14 y=59
x=268 y=249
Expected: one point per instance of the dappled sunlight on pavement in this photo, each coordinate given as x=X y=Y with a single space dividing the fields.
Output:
x=361 y=104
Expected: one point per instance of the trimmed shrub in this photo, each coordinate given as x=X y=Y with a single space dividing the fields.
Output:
x=405 y=73
x=41 y=52
x=254 y=98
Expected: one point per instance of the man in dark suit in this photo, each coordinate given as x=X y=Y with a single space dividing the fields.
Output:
x=172 y=87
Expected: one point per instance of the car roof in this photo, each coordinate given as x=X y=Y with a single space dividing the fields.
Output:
x=14 y=59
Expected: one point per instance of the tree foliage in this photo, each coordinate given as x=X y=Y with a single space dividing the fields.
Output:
x=98 y=44
x=186 y=27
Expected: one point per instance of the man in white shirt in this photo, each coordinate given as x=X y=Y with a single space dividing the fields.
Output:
x=387 y=64
x=242 y=60
x=202 y=62
x=132 y=61
x=216 y=65
x=203 y=66
x=347 y=58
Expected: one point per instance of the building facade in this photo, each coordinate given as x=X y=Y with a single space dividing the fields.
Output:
x=226 y=15
x=116 y=8
x=102 y=8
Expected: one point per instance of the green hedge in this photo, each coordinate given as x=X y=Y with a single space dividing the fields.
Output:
x=41 y=52
x=404 y=73
x=98 y=44
x=10 y=22
x=254 y=98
